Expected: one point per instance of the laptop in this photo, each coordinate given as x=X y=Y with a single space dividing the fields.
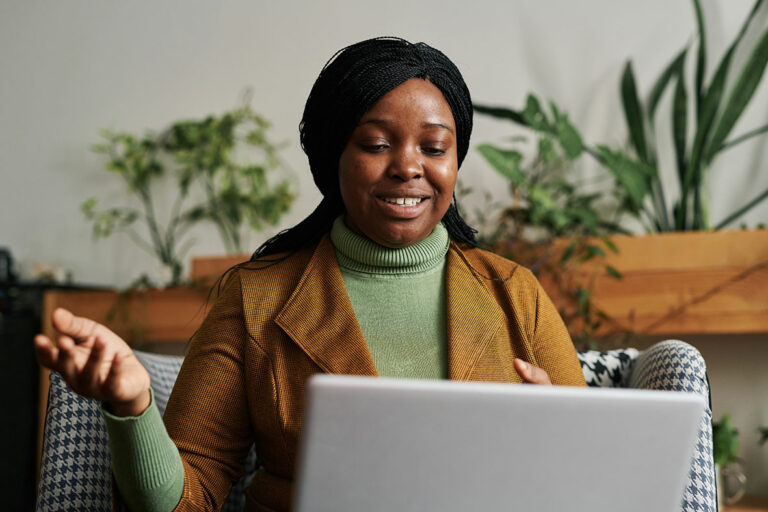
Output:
x=380 y=444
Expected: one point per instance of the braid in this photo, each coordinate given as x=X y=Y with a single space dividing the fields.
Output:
x=457 y=227
x=305 y=233
x=350 y=83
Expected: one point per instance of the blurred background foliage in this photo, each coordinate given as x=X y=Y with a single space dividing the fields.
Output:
x=220 y=166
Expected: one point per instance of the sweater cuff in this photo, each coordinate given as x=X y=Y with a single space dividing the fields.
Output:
x=145 y=461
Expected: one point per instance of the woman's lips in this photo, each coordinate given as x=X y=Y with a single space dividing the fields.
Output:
x=406 y=207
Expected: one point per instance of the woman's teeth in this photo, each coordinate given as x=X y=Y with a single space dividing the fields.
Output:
x=405 y=201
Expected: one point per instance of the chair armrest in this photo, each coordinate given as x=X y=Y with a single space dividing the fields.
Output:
x=610 y=369
x=674 y=365
x=74 y=470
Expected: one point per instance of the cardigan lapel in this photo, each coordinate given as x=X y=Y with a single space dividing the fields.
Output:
x=320 y=319
x=474 y=317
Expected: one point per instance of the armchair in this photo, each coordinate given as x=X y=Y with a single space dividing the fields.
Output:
x=74 y=471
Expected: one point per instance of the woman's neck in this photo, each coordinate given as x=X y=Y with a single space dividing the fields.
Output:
x=358 y=253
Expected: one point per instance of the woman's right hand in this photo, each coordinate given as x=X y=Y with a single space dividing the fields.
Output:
x=96 y=363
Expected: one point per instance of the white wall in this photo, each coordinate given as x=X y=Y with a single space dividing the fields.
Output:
x=71 y=68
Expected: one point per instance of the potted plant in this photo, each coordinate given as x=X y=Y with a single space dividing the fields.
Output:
x=731 y=480
x=677 y=282
x=200 y=156
x=220 y=168
x=547 y=206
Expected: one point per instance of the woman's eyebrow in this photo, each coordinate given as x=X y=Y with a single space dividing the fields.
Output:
x=426 y=124
x=432 y=124
x=374 y=120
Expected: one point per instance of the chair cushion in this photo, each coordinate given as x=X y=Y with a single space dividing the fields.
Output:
x=609 y=369
x=163 y=371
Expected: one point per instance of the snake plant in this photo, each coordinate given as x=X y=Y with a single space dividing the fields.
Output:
x=715 y=113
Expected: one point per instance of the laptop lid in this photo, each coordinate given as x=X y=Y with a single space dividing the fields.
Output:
x=378 y=444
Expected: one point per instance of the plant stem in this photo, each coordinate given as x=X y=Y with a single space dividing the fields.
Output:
x=154 y=230
x=143 y=244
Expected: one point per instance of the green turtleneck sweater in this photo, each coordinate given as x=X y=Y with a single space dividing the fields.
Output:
x=398 y=296
x=399 y=299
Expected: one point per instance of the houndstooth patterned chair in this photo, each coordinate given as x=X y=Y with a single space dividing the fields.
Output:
x=74 y=472
x=670 y=365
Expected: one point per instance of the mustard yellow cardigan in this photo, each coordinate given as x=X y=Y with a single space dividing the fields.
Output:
x=276 y=324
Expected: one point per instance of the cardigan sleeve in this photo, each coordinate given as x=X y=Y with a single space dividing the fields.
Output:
x=552 y=345
x=207 y=415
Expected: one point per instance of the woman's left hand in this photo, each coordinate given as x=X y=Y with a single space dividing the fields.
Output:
x=531 y=374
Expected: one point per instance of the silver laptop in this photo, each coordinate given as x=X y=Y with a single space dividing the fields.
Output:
x=378 y=444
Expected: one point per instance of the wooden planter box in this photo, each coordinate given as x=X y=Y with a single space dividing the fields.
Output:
x=687 y=283
x=150 y=316
x=673 y=283
x=207 y=269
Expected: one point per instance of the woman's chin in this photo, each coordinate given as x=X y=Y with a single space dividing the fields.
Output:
x=401 y=235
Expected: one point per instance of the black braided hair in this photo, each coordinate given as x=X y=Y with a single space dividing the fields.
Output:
x=350 y=83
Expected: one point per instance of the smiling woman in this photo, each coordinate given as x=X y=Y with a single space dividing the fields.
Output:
x=383 y=278
x=398 y=170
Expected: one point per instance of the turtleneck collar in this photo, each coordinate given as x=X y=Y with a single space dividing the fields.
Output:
x=361 y=254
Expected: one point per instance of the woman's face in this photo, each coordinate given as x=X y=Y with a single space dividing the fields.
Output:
x=398 y=170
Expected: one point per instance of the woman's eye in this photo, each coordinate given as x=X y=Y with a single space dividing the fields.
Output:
x=433 y=151
x=374 y=148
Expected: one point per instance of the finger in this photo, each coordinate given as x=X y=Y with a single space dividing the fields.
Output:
x=531 y=374
x=47 y=353
x=90 y=377
x=67 y=366
x=75 y=326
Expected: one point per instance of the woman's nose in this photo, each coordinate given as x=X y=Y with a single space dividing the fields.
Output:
x=406 y=164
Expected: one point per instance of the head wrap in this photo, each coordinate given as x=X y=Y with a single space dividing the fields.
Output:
x=358 y=76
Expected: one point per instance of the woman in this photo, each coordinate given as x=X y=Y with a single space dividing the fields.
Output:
x=383 y=278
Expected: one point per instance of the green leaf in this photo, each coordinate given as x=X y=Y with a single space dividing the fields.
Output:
x=88 y=206
x=740 y=96
x=567 y=253
x=633 y=113
x=547 y=151
x=500 y=113
x=570 y=140
x=545 y=210
x=585 y=216
x=592 y=251
x=609 y=244
x=535 y=117
x=701 y=54
x=680 y=122
x=725 y=440
x=504 y=161
x=567 y=135
x=582 y=299
x=611 y=271
x=672 y=69
x=743 y=209
x=634 y=177
x=694 y=168
x=743 y=137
